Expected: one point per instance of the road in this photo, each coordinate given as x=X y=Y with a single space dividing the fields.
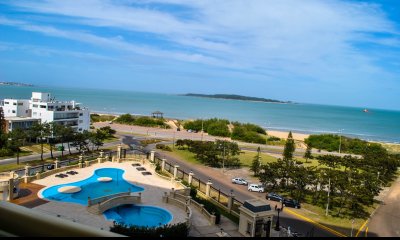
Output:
x=385 y=222
x=220 y=181
x=173 y=134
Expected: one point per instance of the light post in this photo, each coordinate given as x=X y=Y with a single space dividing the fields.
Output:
x=340 y=139
x=329 y=190
x=352 y=227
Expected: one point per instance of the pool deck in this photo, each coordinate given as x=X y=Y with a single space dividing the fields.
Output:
x=28 y=195
x=152 y=195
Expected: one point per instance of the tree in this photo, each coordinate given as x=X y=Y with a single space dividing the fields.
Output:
x=97 y=138
x=256 y=164
x=38 y=131
x=307 y=154
x=289 y=147
x=80 y=141
x=287 y=160
x=17 y=136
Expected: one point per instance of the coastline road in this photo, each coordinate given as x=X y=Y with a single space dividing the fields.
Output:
x=174 y=135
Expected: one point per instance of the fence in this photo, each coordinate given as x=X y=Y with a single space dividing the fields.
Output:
x=216 y=195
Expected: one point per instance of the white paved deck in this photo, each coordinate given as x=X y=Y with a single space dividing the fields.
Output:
x=154 y=189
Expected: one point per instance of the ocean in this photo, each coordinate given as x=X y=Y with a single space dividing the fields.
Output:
x=374 y=125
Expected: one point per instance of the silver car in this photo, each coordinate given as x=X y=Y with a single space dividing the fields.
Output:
x=239 y=181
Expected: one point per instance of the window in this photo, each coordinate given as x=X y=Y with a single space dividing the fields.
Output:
x=80 y=114
x=6 y=103
x=15 y=104
x=35 y=105
x=26 y=111
x=42 y=106
x=13 y=111
x=20 y=104
x=80 y=129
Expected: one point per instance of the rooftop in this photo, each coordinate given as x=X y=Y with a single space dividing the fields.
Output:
x=257 y=205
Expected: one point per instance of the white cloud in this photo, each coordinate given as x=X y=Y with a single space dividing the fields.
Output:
x=311 y=39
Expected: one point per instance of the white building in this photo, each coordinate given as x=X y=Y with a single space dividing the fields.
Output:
x=44 y=108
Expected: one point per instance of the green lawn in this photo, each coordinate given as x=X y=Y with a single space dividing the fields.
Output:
x=111 y=139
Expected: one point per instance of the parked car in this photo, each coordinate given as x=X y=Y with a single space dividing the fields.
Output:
x=291 y=203
x=255 y=188
x=274 y=197
x=240 y=181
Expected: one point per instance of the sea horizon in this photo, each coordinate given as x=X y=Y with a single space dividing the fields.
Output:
x=309 y=118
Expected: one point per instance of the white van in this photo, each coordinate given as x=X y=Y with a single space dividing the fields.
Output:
x=255 y=188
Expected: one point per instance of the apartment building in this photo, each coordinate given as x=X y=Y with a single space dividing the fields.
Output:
x=43 y=107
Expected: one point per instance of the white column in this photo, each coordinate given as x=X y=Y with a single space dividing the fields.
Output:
x=190 y=178
x=56 y=164
x=119 y=152
x=163 y=164
x=152 y=155
x=176 y=171
x=208 y=186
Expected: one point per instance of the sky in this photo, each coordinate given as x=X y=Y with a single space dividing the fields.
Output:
x=337 y=52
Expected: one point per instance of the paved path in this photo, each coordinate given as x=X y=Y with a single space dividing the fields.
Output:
x=385 y=222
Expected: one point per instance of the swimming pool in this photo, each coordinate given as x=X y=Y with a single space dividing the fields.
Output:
x=139 y=215
x=92 y=187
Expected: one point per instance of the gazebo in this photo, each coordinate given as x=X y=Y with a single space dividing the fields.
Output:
x=157 y=114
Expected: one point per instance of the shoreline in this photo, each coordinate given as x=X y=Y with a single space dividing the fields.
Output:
x=297 y=135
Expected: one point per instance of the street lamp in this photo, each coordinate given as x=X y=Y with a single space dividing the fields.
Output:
x=340 y=139
x=329 y=190
x=352 y=226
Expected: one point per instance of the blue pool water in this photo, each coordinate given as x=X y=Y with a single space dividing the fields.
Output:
x=92 y=188
x=139 y=215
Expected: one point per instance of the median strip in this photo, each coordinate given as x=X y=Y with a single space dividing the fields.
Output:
x=315 y=223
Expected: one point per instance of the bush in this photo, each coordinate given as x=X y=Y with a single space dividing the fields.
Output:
x=273 y=139
x=179 y=230
x=5 y=152
x=141 y=121
x=213 y=126
x=331 y=142
x=163 y=147
x=101 y=118
x=210 y=207
x=242 y=133
x=158 y=167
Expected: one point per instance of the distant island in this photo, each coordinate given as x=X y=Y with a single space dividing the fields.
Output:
x=235 y=97
x=16 y=84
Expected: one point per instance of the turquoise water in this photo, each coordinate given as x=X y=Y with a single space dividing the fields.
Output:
x=377 y=124
x=138 y=215
x=92 y=188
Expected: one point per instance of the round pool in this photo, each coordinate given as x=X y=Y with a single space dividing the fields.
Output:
x=130 y=214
